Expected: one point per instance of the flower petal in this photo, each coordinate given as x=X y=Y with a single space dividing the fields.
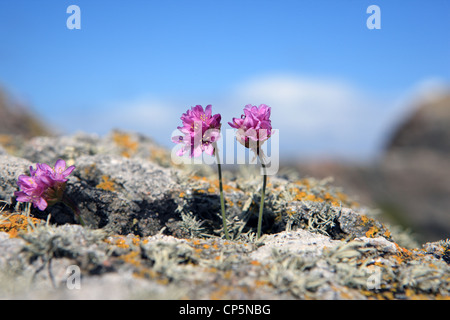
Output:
x=68 y=171
x=209 y=149
x=208 y=110
x=60 y=166
x=40 y=203
x=22 y=196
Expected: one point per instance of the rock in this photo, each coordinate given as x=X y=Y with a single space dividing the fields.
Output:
x=125 y=144
x=288 y=265
x=17 y=119
x=119 y=193
x=426 y=128
x=299 y=242
x=410 y=181
x=415 y=169
x=135 y=193
x=10 y=169
x=154 y=230
x=124 y=195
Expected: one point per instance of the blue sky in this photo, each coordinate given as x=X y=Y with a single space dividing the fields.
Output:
x=335 y=87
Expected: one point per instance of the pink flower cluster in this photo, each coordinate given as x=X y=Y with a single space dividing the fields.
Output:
x=201 y=130
x=45 y=186
x=254 y=126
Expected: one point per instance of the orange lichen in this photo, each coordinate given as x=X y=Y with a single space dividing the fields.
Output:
x=304 y=183
x=163 y=281
x=379 y=264
x=228 y=274
x=260 y=283
x=211 y=190
x=127 y=145
x=220 y=292
x=121 y=243
x=131 y=258
x=106 y=184
x=136 y=241
x=403 y=251
x=255 y=263
x=158 y=154
x=14 y=223
x=365 y=220
x=372 y=232
x=303 y=194
x=213 y=185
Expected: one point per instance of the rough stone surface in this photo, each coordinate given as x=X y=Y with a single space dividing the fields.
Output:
x=10 y=169
x=154 y=230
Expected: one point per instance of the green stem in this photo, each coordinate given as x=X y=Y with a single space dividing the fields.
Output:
x=222 y=201
x=68 y=202
x=261 y=205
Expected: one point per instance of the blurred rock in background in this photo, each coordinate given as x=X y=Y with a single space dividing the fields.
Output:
x=410 y=182
x=16 y=119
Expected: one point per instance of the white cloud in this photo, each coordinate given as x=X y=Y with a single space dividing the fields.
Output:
x=142 y=114
x=318 y=117
x=331 y=118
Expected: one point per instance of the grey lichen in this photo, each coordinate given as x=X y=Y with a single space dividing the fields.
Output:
x=157 y=231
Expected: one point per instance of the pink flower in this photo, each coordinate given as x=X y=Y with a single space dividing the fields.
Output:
x=45 y=186
x=201 y=130
x=60 y=173
x=33 y=196
x=254 y=126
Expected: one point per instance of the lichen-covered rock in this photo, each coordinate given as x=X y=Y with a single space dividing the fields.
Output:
x=50 y=261
x=70 y=148
x=156 y=229
x=10 y=169
x=125 y=195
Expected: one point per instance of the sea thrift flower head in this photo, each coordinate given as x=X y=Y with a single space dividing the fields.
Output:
x=45 y=185
x=254 y=126
x=60 y=173
x=34 y=196
x=201 y=130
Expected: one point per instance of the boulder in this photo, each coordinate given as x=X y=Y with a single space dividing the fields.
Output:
x=154 y=230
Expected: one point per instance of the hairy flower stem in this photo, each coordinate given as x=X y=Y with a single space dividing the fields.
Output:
x=222 y=200
x=68 y=202
x=261 y=205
